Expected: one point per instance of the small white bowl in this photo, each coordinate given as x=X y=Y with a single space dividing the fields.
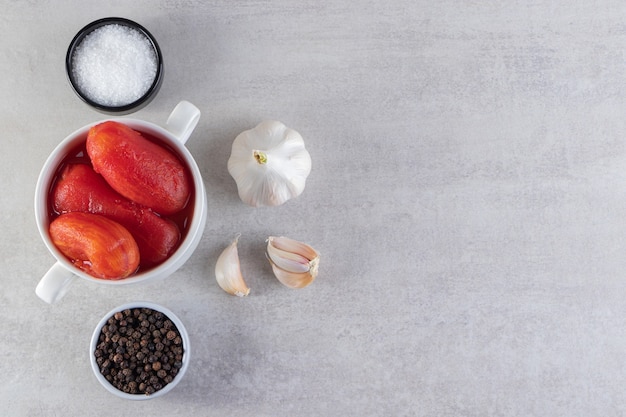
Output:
x=167 y=388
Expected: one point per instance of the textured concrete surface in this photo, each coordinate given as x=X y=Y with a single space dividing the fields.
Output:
x=468 y=196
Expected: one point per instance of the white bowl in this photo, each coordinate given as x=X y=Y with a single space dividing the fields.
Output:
x=167 y=388
x=180 y=124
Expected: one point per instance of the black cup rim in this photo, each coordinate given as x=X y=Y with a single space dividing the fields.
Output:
x=126 y=108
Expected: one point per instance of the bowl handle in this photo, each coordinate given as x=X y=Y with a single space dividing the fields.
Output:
x=183 y=120
x=55 y=283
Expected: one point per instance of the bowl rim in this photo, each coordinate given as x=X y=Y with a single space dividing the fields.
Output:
x=140 y=304
x=126 y=108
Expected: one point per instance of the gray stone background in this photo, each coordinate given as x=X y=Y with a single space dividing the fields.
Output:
x=468 y=197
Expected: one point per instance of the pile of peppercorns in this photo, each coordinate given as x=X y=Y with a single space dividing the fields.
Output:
x=139 y=351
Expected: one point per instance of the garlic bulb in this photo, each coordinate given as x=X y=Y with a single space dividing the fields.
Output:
x=228 y=271
x=295 y=264
x=269 y=164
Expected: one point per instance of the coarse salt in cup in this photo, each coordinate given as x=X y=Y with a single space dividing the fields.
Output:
x=161 y=374
x=179 y=126
x=114 y=65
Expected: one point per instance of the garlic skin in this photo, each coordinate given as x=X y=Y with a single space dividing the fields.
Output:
x=295 y=264
x=269 y=163
x=228 y=271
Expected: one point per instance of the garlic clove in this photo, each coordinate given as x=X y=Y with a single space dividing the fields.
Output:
x=288 y=261
x=293 y=246
x=295 y=264
x=228 y=271
x=293 y=279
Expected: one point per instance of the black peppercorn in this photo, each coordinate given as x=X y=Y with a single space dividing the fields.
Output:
x=132 y=385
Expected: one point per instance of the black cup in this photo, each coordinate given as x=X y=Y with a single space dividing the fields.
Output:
x=126 y=108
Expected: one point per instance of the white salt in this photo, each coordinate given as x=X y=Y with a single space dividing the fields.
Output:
x=114 y=65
